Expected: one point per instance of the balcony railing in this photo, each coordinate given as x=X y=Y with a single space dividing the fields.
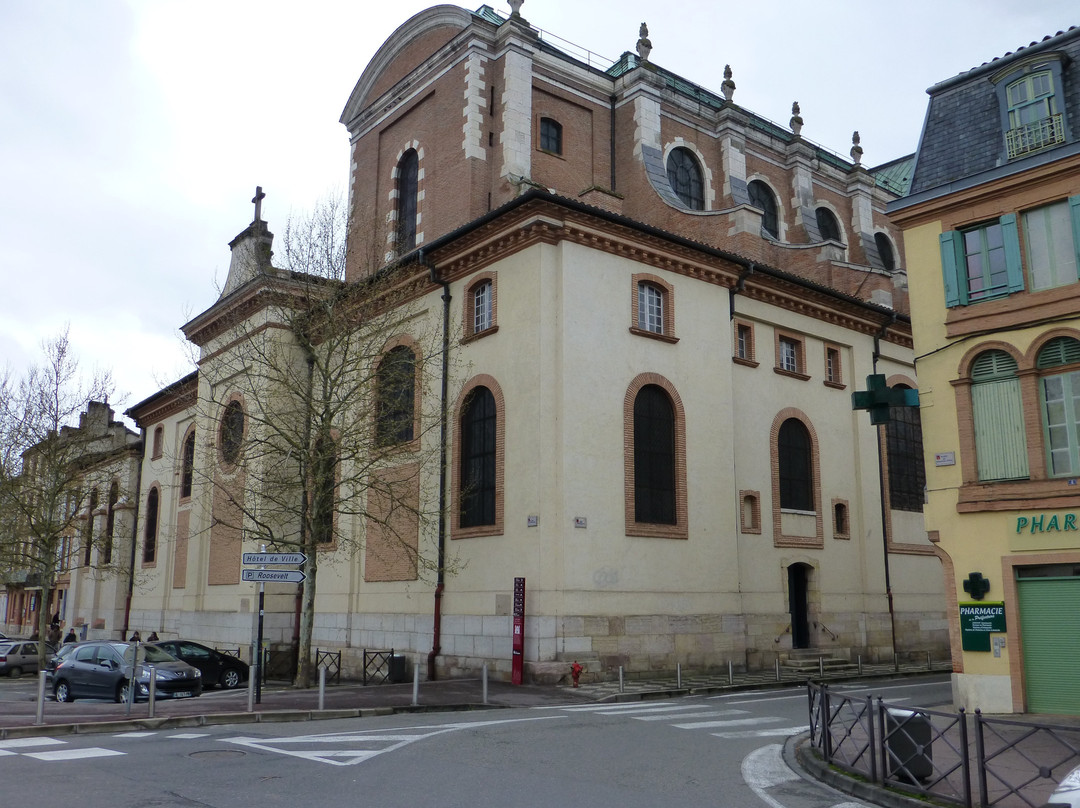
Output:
x=1034 y=136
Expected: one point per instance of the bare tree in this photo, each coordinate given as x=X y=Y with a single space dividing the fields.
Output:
x=42 y=463
x=323 y=400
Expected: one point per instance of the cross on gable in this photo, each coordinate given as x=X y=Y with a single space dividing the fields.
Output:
x=878 y=397
x=257 y=199
x=976 y=585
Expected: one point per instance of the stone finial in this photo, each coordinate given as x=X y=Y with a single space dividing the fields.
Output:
x=515 y=7
x=796 y=121
x=728 y=87
x=856 y=149
x=644 y=46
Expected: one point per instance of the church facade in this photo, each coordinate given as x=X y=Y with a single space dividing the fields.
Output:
x=654 y=306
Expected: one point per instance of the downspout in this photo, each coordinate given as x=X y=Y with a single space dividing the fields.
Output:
x=612 y=146
x=881 y=499
x=740 y=284
x=440 y=585
x=134 y=538
x=738 y=287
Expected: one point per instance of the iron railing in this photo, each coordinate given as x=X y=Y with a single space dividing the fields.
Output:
x=377 y=665
x=957 y=758
x=331 y=660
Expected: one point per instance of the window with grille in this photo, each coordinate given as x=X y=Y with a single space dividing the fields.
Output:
x=151 y=529
x=232 y=432
x=907 y=474
x=395 y=396
x=551 y=135
x=654 y=457
x=684 y=177
x=187 y=465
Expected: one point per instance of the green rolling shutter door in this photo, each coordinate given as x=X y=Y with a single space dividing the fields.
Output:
x=1050 y=625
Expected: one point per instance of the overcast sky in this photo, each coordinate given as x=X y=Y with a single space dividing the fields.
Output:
x=133 y=134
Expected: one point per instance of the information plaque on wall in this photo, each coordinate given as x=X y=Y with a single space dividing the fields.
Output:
x=978 y=620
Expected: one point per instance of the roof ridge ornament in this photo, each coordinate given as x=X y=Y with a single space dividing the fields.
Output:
x=856 y=149
x=515 y=7
x=796 y=121
x=728 y=87
x=257 y=199
x=644 y=45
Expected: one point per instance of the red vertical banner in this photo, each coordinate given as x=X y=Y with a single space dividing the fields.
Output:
x=519 y=631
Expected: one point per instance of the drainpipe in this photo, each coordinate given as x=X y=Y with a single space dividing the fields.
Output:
x=440 y=585
x=883 y=492
x=612 y=146
x=739 y=286
x=134 y=538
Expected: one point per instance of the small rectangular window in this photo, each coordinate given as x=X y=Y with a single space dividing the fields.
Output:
x=833 y=369
x=789 y=355
x=482 y=308
x=650 y=308
x=744 y=341
x=1051 y=244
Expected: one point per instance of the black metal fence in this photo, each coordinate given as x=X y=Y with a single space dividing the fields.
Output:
x=377 y=666
x=959 y=758
x=331 y=660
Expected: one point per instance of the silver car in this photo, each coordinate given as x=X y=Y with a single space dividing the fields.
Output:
x=20 y=656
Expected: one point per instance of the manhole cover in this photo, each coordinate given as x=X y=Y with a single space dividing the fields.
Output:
x=218 y=753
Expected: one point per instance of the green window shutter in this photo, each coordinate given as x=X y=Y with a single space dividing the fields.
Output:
x=1013 y=268
x=952 y=259
x=1000 y=444
x=1057 y=352
x=1074 y=209
x=991 y=365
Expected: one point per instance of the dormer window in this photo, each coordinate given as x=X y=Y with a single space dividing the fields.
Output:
x=1034 y=120
x=684 y=176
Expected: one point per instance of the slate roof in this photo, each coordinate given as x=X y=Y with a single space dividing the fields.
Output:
x=962 y=135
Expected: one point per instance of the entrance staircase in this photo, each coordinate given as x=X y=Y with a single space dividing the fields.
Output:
x=816 y=660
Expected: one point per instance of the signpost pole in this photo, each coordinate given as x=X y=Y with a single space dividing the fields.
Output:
x=259 y=637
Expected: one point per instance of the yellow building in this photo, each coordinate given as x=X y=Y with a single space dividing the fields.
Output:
x=991 y=232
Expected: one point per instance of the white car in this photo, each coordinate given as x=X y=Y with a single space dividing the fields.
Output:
x=1067 y=794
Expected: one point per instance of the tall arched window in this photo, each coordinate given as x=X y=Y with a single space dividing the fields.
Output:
x=998 y=416
x=151 y=530
x=324 y=468
x=232 y=432
x=1060 y=394
x=408 y=186
x=761 y=197
x=903 y=441
x=478 y=459
x=187 y=465
x=827 y=225
x=110 y=523
x=395 y=398
x=885 y=251
x=88 y=533
x=654 y=457
x=796 y=468
x=684 y=177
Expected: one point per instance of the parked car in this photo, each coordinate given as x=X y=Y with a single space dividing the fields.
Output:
x=1067 y=794
x=217 y=668
x=20 y=656
x=102 y=670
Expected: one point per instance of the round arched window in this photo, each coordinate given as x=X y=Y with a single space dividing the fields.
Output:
x=885 y=250
x=684 y=177
x=761 y=197
x=827 y=225
x=232 y=432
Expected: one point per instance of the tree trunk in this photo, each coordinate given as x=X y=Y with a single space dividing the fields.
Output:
x=307 y=617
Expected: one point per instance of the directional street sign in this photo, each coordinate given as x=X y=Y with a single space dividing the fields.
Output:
x=274 y=558
x=272 y=576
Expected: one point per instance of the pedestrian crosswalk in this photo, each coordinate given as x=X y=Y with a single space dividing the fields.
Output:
x=719 y=719
x=56 y=749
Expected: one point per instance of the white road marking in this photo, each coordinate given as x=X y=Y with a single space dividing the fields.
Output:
x=645 y=710
x=73 y=754
x=188 y=735
x=21 y=743
x=134 y=734
x=700 y=714
x=801 y=697
x=763 y=733
x=738 y=722
x=350 y=757
x=875 y=688
x=764 y=768
x=593 y=708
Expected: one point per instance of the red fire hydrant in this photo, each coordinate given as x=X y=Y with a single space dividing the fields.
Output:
x=575 y=672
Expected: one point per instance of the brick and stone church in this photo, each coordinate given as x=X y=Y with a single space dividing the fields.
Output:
x=655 y=306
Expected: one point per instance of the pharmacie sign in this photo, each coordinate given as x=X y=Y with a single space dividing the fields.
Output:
x=978 y=621
x=1047 y=523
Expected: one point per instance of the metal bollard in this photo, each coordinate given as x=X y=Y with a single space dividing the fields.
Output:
x=678 y=675
x=253 y=677
x=322 y=688
x=485 y=683
x=896 y=661
x=153 y=690
x=416 y=684
x=777 y=669
x=929 y=664
x=621 y=688
x=860 y=664
x=39 y=718
x=730 y=673
x=821 y=667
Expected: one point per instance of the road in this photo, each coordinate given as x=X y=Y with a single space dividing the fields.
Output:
x=720 y=750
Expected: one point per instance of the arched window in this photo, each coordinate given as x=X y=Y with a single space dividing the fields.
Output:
x=654 y=456
x=408 y=186
x=324 y=466
x=907 y=474
x=796 y=469
x=551 y=135
x=827 y=225
x=151 y=530
x=187 y=465
x=159 y=441
x=478 y=459
x=761 y=197
x=998 y=417
x=1060 y=394
x=684 y=176
x=395 y=397
x=885 y=251
x=232 y=432
x=110 y=523
x=88 y=533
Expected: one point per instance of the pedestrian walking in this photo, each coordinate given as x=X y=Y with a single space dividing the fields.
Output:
x=70 y=638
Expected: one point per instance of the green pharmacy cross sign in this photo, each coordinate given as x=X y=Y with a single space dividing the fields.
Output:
x=878 y=397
